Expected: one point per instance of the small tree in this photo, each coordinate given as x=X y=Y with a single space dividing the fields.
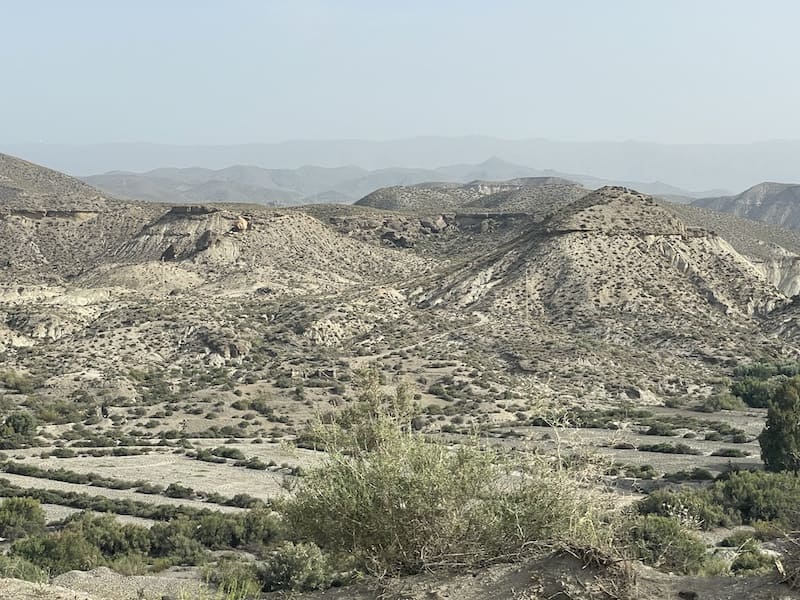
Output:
x=780 y=440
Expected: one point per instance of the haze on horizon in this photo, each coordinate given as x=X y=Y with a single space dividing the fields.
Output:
x=202 y=72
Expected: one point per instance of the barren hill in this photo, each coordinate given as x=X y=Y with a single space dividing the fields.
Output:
x=617 y=269
x=25 y=186
x=515 y=195
x=776 y=203
x=53 y=226
x=277 y=252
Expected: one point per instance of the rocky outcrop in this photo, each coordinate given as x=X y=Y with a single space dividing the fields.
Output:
x=225 y=343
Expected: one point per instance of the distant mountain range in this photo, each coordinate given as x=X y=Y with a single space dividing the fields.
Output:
x=308 y=184
x=775 y=203
x=688 y=166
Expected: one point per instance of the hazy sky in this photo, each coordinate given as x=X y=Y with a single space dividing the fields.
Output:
x=234 y=71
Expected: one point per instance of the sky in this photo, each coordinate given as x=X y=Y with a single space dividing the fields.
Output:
x=238 y=71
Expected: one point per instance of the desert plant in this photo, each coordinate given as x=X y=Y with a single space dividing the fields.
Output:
x=236 y=578
x=15 y=567
x=780 y=440
x=398 y=503
x=296 y=567
x=664 y=543
x=58 y=553
x=20 y=517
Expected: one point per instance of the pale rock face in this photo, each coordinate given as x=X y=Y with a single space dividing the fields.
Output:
x=241 y=224
x=782 y=269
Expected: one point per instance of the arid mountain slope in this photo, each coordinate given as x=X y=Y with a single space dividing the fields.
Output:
x=617 y=249
x=611 y=276
x=776 y=203
x=25 y=186
x=53 y=226
x=515 y=195
x=616 y=275
x=254 y=249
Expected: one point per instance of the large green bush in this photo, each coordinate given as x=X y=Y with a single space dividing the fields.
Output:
x=20 y=517
x=58 y=553
x=780 y=440
x=296 y=567
x=664 y=543
x=699 y=505
x=738 y=497
x=398 y=503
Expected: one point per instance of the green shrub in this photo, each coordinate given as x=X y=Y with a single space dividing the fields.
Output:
x=659 y=428
x=176 y=490
x=754 y=392
x=664 y=543
x=780 y=440
x=235 y=578
x=737 y=538
x=398 y=503
x=296 y=567
x=745 y=497
x=667 y=448
x=751 y=560
x=58 y=553
x=718 y=402
x=22 y=384
x=174 y=541
x=730 y=452
x=108 y=535
x=233 y=453
x=20 y=517
x=696 y=474
x=698 y=505
x=761 y=496
x=15 y=567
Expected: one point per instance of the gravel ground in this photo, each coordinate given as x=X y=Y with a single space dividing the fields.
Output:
x=108 y=585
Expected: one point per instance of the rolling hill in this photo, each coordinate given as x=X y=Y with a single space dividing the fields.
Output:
x=775 y=203
x=309 y=184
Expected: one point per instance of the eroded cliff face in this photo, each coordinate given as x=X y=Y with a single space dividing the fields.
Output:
x=615 y=253
x=782 y=269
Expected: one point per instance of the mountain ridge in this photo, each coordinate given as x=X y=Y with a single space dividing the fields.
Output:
x=248 y=183
x=769 y=201
x=687 y=166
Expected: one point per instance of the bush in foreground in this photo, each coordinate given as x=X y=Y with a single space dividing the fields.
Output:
x=397 y=503
x=296 y=567
x=20 y=517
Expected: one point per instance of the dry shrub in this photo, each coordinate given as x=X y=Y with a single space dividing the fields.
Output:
x=790 y=562
x=398 y=502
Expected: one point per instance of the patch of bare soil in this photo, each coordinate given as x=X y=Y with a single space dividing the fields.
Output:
x=560 y=576
x=105 y=584
x=15 y=589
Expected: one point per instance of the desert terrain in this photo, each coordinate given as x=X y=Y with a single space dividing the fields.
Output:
x=163 y=362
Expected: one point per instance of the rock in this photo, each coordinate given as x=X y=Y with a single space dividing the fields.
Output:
x=208 y=239
x=241 y=224
x=435 y=224
x=398 y=239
